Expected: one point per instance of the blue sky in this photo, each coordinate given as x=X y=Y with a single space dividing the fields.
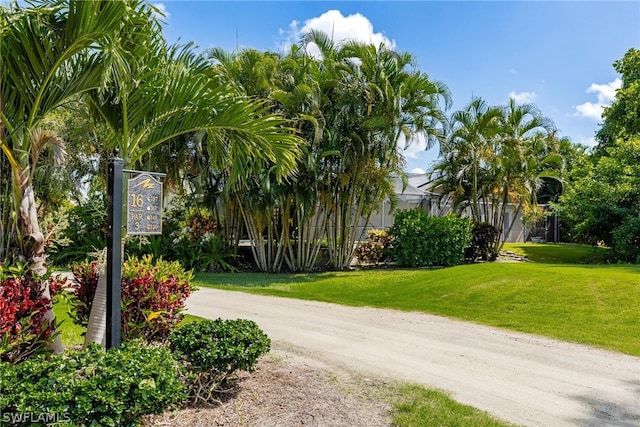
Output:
x=556 y=54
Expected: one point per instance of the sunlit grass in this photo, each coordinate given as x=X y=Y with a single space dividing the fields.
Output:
x=560 y=253
x=417 y=406
x=592 y=304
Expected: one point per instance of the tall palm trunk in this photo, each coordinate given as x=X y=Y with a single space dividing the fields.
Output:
x=31 y=239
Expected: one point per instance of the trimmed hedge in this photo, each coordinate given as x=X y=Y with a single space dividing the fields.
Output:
x=93 y=387
x=213 y=350
x=421 y=240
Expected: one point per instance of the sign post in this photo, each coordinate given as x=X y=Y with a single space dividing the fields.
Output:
x=114 y=249
x=144 y=216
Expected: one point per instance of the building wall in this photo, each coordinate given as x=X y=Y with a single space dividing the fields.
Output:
x=383 y=219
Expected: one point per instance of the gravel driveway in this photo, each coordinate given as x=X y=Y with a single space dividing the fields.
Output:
x=521 y=378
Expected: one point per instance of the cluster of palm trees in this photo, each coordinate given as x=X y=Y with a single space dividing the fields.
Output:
x=495 y=159
x=293 y=148
x=349 y=105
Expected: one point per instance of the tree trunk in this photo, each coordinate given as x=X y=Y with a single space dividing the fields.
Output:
x=33 y=247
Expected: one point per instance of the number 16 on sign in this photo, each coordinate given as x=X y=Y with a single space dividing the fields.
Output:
x=144 y=205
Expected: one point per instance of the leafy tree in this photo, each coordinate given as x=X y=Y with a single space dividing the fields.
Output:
x=622 y=118
x=603 y=194
x=602 y=203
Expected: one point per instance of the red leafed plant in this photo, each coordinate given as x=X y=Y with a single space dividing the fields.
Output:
x=84 y=283
x=153 y=296
x=23 y=328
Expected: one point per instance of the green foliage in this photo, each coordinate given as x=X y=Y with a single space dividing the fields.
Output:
x=603 y=194
x=621 y=120
x=483 y=243
x=421 y=240
x=93 y=387
x=377 y=249
x=213 y=350
x=189 y=236
x=626 y=240
x=85 y=233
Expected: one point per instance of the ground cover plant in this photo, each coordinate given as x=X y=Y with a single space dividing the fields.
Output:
x=590 y=304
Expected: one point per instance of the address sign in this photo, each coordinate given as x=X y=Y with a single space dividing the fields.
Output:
x=144 y=205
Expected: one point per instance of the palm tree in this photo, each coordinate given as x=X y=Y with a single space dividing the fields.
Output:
x=371 y=97
x=468 y=150
x=516 y=176
x=54 y=56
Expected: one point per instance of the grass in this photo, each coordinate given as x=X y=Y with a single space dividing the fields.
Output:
x=417 y=406
x=562 y=253
x=598 y=305
x=73 y=335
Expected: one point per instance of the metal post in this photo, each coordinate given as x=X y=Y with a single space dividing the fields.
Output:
x=114 y=249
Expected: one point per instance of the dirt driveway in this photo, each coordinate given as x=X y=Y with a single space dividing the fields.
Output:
x=521 y=378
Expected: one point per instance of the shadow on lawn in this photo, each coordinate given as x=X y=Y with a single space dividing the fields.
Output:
x=256 y=280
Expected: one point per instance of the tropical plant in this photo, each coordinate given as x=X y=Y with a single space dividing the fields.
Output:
x=213 y=350
x=55 y=53
x=372 y=99
x=494 y=160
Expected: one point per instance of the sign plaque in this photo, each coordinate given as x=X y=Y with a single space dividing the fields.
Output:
x=144 y=205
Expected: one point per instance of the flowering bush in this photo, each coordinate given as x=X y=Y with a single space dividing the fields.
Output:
x=23 y=328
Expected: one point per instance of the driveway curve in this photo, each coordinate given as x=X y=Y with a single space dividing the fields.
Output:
x=525 y=379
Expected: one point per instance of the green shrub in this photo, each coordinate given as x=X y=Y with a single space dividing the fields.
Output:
x=483 y=243
x=421 y=240
x=626 y=240
x=93 y=387
x=85 y=233
x=213 y=350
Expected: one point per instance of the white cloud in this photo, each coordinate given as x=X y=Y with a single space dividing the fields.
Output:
x=606 y=93
x=162 y=12
x=339 y=27
x=589 y=142
x=418 y=170
x=417 y=146
x=513 y=71
x=523 y=97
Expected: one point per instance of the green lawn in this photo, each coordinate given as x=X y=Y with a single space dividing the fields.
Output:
x=562 y=253
x=597 y=305
x=416 y=406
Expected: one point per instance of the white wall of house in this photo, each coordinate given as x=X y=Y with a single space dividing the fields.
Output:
x=412 y=196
